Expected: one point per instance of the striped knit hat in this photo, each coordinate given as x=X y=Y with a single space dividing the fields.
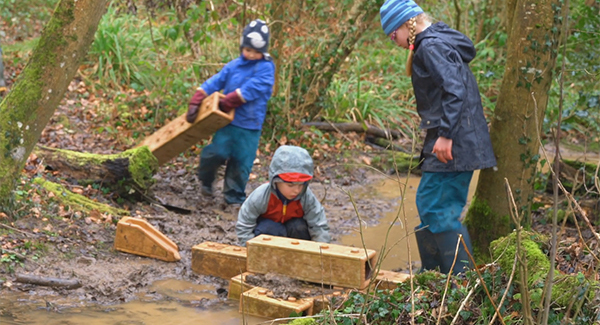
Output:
x=394 y=13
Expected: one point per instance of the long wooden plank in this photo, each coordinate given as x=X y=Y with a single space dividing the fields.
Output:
x=179 y=135
x=311 y=261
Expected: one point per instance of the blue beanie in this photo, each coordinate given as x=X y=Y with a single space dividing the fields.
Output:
x=256 y=36
x=394 y=13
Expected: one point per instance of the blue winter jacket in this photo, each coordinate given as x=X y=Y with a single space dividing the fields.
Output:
x=254 y=79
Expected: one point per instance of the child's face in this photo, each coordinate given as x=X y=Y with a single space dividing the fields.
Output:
x=401 y=34
x=290 y=190
x=251 y=54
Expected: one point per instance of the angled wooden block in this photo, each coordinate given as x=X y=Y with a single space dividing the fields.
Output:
x=238 y=285
x=220 y=260
x=256 y=302
x=137 y=236
x=311 y=261
x=179 y=135
x=389 y=280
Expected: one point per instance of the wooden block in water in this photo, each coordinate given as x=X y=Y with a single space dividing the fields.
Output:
x=220 y=260
x=311 y=261
x=256 y=302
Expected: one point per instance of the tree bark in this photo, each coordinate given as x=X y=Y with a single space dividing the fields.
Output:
x=516 y=124
x=310 y=86
x=37 y=92
x=133 y=168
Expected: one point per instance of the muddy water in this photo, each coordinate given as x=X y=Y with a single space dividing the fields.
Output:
x=393 y=237
x=176 y=307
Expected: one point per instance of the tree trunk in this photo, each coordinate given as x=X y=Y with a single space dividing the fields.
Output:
x=133 y=168
x=531 y=57
x=310 y=87
x=37 y=92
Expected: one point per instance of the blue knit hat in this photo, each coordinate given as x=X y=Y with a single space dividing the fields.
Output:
x=394 y=13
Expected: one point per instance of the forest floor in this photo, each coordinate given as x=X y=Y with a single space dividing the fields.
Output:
x=51 y=240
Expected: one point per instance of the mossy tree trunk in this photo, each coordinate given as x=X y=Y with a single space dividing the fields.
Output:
x=126 y=171
x=531 y=56
x=310 y=84
x=40 y=87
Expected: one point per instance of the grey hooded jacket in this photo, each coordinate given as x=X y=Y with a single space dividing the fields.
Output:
x=287 y=159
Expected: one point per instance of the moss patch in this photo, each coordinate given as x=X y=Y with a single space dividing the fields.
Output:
x=78 y=201
x=538 y=265
x=485 y=226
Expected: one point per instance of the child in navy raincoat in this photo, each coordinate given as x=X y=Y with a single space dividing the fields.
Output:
x=247 y=83
x=285 y=206
x=457 y=140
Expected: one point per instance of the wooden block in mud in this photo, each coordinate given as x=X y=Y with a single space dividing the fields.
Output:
x=179 y=135
x=325 y=302
x=389 y=280
x=256 y=302
x=238 y=285
x=311 y=261
x=137 y=236
x=220 y=260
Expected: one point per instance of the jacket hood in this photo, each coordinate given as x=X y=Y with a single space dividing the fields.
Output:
x=461 y=43
x=290 y=159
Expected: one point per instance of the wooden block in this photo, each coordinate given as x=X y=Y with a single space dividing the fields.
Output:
x=137 y=236
x=388 y=280
x=257 y=303
x=238 y=285
x=311 y=261
x=220 y=260
x=324 y=302
x=179 y=135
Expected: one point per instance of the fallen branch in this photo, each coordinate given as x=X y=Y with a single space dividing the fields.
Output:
x=134 y=167
x=355 y=127
x=48 y=282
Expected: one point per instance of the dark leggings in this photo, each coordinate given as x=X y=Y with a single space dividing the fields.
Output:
x=293 y=228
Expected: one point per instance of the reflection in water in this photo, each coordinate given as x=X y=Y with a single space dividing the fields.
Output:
x=404 y=217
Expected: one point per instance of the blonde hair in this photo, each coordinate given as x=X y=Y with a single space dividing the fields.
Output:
x=412 y=34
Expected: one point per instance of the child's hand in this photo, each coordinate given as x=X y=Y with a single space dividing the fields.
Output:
x=194 y=106
x=230 y=101
x=443 y=149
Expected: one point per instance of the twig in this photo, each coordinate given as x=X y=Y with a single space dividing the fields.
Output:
x=449 y=278
x=15 y=229
x=462 y=305
x=481 y=279
x=512 y=274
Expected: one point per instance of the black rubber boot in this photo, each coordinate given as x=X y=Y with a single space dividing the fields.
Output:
x=446 y=243
x=428 y=249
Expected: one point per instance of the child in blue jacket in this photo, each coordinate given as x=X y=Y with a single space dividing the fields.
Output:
x=247 y=83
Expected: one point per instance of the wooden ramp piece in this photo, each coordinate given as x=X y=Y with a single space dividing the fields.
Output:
x=220 y=260
x=137 y=236
x=179 y=135
x=311 y=261
x=256 y=302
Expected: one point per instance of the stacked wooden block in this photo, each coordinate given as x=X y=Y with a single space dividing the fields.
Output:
x=337 y=266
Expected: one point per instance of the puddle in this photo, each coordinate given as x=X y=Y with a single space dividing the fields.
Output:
x=390 y=235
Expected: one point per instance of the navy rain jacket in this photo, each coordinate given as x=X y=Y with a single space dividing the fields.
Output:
x=448 y=100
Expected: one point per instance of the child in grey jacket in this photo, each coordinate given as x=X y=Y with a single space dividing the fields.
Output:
x=285 y=206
